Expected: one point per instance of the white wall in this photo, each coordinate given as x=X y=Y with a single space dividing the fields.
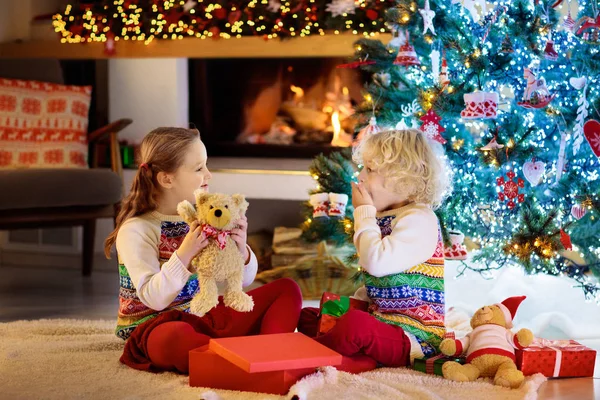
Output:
x=152 y=92
x=15 y=17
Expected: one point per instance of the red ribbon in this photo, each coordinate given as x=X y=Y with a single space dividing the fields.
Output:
x=219 y=236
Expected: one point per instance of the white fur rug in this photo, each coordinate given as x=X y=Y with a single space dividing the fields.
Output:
x=77 y=359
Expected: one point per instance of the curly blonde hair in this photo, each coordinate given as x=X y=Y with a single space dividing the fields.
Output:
x=410 y=163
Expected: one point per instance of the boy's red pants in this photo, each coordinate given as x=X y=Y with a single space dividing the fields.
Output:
x=163 y=343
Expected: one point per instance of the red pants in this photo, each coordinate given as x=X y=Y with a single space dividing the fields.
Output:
x=163 y=343
x=359 y=333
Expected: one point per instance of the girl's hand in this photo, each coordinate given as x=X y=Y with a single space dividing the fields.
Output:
x=240 y=237
x=360 y=196
x=193 y=243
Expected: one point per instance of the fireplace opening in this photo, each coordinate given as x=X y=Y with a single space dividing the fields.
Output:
x=290 y=108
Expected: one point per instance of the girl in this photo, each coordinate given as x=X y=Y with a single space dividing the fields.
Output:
x=400 y=249
x=155 y=248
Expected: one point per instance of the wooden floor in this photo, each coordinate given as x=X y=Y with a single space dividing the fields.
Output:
x=33 y=293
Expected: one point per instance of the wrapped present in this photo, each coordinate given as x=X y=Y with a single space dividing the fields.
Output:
x=261 y=363
x=557 y=358
x=334 y=306
x=433 y=365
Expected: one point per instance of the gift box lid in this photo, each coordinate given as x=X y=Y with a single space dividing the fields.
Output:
x=282 y=351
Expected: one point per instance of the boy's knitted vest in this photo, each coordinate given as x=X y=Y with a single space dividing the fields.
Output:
x=132 y=311
x=413 y=299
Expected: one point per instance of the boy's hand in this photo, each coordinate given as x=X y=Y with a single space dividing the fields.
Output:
x=360 y=196
x=240 y=237
x=194 y=242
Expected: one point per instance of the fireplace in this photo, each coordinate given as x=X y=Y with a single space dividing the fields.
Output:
x=290 y=108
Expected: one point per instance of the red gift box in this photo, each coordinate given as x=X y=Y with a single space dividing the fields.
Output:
x=557 y=358
x=328 y=319
x=262 y=363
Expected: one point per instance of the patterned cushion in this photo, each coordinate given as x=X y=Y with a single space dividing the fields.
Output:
x=43 y=125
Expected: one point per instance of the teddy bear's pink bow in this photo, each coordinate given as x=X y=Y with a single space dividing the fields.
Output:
x=219 y=236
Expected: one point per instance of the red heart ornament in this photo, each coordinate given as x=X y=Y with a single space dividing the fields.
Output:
x=591 y=130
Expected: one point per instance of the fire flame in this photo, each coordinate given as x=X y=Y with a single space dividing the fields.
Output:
x=337 y=131
x=298 y=93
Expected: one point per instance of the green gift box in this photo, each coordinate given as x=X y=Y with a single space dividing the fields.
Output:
x=433 y=365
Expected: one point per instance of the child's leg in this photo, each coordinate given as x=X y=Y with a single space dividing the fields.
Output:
x=277 y=308
x=309 y=321
x=169 y=345
x=358 y=332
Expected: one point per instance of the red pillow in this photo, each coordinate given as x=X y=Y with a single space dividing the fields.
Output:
x=43 y=125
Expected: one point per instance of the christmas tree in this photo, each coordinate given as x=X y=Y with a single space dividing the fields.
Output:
x=513 y=93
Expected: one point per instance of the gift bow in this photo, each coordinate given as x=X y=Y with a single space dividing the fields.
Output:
x=219 y=236
x=336 y=308
x=558 y=346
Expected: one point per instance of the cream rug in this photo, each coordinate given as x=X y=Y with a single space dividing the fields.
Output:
x=76 y=359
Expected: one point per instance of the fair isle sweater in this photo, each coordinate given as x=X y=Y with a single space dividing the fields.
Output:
x=401 y=253
x=152 y=278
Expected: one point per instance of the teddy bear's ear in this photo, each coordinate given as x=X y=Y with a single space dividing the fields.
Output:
x=240 y=202
x=201 y=197
x=186 y=210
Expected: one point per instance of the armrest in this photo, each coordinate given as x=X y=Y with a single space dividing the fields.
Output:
x=105 y=131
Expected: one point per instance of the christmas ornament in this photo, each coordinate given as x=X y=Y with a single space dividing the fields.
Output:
x=435 y=63
x=443 y=79
x=534 y=171
x=383 y=78
x=431 y=126
x=372 y=15
x=320 y=203
x=560 y=163
x=457 y=250
x=565 y=239
x=337 y=204
x=569 y=22
x=480 y=105
x=110 y=48
x=189 y=5
x=578 y=211
x=338 y=8
x=506 y=46
x=556 y=3
x=588 y=31
x=428 y=14
x=536 y=94
x=591 y=130
x=370 y=129
x=492 y=145
x=549 y=52
x=274 y=6
x=472 y=5
x=406 y=54
x=408 y=112
x=510 y=189
x=582 y=112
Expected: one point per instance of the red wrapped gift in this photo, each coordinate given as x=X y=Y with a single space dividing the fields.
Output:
x=557 y=358
x=262 y=363
x=334 y=306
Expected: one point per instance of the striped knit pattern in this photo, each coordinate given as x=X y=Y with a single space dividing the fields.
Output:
x=132 y=311
x=414 y=299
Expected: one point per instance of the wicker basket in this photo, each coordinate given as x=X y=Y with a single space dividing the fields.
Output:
x=318 y=273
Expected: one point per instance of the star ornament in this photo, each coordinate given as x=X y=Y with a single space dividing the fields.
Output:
x=431 y=126
x=428 y=14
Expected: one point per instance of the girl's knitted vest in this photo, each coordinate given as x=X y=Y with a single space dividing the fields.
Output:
x=413 y=299
x=132 y=311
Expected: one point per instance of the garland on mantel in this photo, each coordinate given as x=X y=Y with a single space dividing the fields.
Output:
x=146 y=20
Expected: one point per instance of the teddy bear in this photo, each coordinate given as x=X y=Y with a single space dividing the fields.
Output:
x=490 y=347
x=221 y=260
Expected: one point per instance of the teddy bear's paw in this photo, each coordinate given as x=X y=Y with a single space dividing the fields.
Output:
x=525 y=337
x=460 y=373
x=448 y=347
x=239 y=301
x=199 y=307
x=509 y=378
